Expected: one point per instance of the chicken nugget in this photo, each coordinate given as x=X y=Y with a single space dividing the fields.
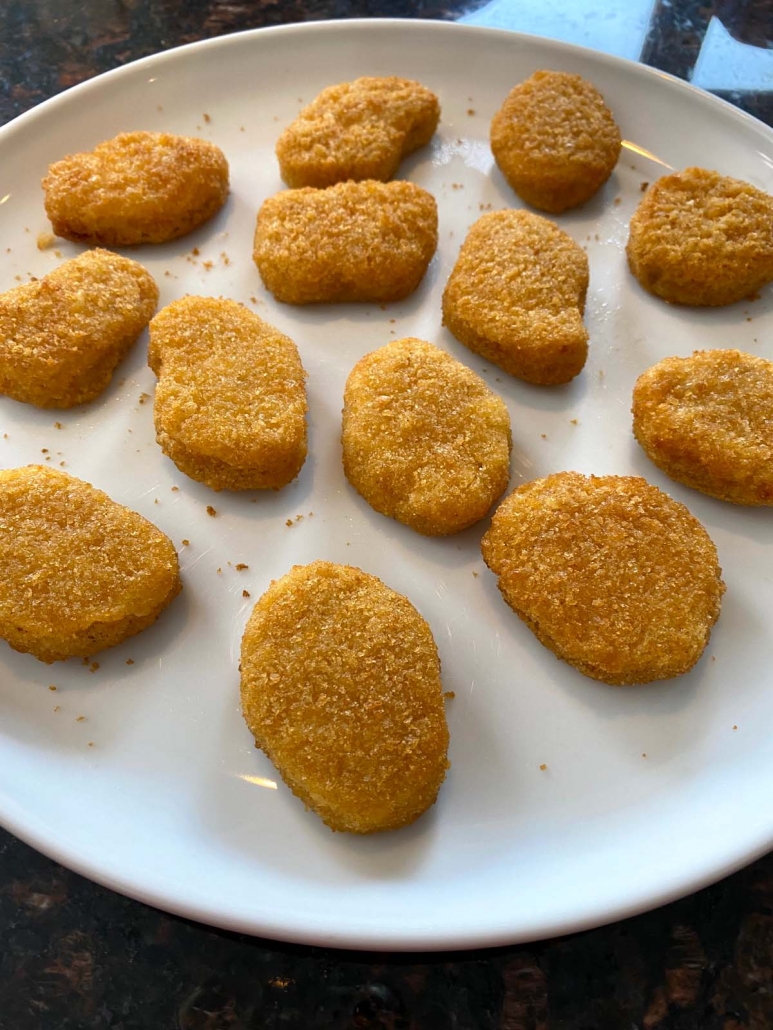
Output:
x=610 y=574
x=706 y=422
x=140 y=187
x=555 y=140
x=702 y=239
x=230 y=405
x=357 y=130
x=517 y=294
x=357 y=241
x=425 y=440
x=61 y=337
x=78 y=572
x=341 y=689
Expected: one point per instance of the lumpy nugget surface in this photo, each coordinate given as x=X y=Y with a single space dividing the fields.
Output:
x=139 y=187
x=62 y=336
x=230 y=405
x=516 y=296
x=357 y=241
x=357 y=130
x=78 y=572
x=702 y=239
x=341 y=689
x=555 y=140
x=610 y=573
x=424 y=438
x=707 y=421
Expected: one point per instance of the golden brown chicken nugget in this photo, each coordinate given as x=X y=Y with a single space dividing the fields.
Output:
x=707 y=422
x=140 y=187
x=357 y=241
x=357 y=130
x=425 y=441
x=702 y=239
x=78 y=572
x=555 y=140
x=61 y=337
x=341 y=689
x=230 y=406
x=517 y=294
x=611 y=574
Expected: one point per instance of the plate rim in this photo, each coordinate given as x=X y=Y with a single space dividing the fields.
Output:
x=33 y=834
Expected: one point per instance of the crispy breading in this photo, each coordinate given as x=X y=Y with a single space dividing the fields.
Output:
x=341 y=689
x=62 y=336
x=230 y=405
x=555 y=140
x=425 y=440
x=516 y=296
x=357 y=130
x=357 y=241
x=611 y=574
x=139 y=187
x=707 y=422
x=702 y=239
x=78 y=572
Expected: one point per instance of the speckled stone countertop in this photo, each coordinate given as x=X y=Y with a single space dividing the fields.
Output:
x=77 y=957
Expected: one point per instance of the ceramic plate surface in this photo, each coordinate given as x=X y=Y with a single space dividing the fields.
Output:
x=158 y=791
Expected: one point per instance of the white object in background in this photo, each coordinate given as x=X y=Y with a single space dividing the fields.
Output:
x=618 y=27
x=724 y=63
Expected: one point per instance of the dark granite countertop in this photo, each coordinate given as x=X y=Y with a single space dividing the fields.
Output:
x=76 y=956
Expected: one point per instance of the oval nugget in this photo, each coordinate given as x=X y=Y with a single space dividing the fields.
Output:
x=707 y=422
x=357 y=241
x=140 y=187
x=555 y=140
x=702 y=239
x=341 y=689
x=78 y=572
x=611 y=574
x=230 y=405
x=425 y=440
x=516 y=296
x=62 y=336
x=357 y=130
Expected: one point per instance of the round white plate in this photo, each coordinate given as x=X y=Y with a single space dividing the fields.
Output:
x=143 y=776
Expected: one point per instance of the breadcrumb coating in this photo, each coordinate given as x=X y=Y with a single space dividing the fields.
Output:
x=230 y=405
x=707 y=422
x=702 y=239
x=611 y=574
x=62 y=336
x=78 y=572
x=555 y=140
x=516 y=296
x=357 y=130
x=341 y=689
x=425 y=440
x=139 y=187
x=357 y=241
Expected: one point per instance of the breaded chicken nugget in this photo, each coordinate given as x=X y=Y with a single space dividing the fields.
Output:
x=78 y=572
x=61 y=337
x=707 y=422
x=357 y=130
x=341 y=689
x=555 y=140
x=230 y=406
x=611 y=574
x=357 y=241
x=425 y=441
x=702 y=239
x=517 y=294
x=140 y=187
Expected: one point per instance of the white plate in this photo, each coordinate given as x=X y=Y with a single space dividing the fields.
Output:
x=172 y=804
